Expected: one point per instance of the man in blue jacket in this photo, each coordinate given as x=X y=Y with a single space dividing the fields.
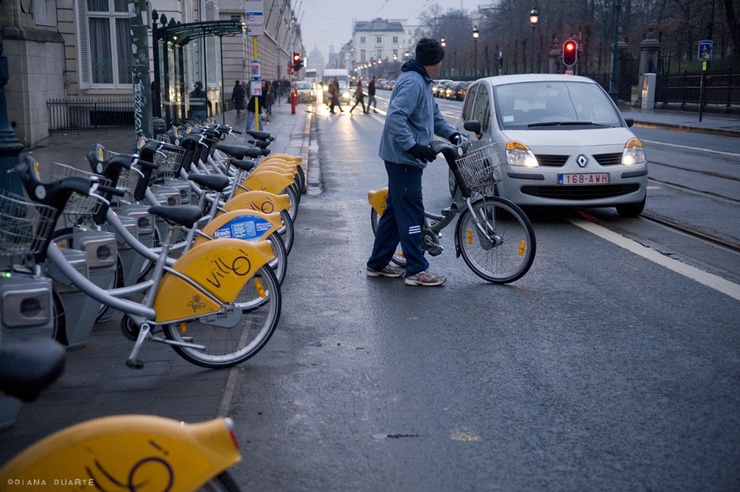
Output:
x=412 y=120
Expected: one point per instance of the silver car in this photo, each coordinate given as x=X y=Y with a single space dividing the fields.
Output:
x=562 y=140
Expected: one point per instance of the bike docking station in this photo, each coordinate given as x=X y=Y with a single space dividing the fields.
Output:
x=26 y=302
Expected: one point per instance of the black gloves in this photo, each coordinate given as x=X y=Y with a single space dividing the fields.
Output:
x=424 y=154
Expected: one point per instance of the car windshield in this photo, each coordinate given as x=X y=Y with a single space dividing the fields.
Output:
x=302 y=85
x=553 y=105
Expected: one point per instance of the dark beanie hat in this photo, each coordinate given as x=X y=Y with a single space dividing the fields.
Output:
x=429 y=51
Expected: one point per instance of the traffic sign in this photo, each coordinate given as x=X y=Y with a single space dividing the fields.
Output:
x=705 y=50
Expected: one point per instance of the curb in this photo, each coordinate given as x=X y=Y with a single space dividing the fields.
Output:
x=684 y=128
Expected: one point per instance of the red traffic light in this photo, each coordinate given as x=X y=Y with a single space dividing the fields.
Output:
x=570 y=52
x=296 y=57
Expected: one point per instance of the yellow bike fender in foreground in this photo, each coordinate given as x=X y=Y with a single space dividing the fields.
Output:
x=261 y=201
x=127 y=452
x=221 y=268
x=247 y=225
x=288 y=157
x=265 y=181
x=377 y=199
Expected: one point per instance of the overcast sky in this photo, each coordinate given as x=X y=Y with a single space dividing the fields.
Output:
x=329 y=22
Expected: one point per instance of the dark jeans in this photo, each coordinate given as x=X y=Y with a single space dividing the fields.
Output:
x=402 y=220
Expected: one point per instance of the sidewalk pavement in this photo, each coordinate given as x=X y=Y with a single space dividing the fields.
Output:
x=712 y=123
x=96 y=381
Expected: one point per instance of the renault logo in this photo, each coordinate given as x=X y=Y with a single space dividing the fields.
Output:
x=582 y=160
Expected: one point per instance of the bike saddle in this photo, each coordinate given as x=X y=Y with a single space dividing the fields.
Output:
x=27 y=367
x=184 y=215
x=213 y=182
x=244 y=164
x=239 y=151
x=260 y=135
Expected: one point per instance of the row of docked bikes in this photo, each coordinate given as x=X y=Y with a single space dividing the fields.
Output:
x=187 y=236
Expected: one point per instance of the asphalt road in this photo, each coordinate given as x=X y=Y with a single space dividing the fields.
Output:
x=601 y=369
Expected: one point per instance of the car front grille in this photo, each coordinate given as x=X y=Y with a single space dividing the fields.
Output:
x=609 y=159
x=580 y=192
x=551 y=160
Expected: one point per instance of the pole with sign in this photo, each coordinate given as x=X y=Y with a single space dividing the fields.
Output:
x=705 y=55
x=254 y=16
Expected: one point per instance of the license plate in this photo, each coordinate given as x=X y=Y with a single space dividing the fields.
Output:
x=583 y=179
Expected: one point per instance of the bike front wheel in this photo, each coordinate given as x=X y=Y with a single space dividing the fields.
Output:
x=503 y=248
x=259 y=304
x=221 y=483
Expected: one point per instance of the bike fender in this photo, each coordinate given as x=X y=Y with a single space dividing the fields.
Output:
x=288 y=157
x=377 y=199
x=248 y=225
x=221 y=268
x=131 y=452
x=282 y=168
x=265 y=181
x=262 y=201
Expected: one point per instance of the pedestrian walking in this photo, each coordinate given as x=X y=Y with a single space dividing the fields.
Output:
x=198 y=103
x=334 y=95
x=269 y=94
x=238 y=97
x=371 y=101
x=254 y=103
x=359 y=98
x=412 y=121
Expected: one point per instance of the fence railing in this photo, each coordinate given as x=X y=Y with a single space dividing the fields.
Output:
x=90 y=114
x=720 y=89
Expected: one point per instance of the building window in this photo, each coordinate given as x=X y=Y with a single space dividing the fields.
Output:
x=395 y=39
x=104 y=43
x=379 y=39
x=362 y=39
x=362 y=56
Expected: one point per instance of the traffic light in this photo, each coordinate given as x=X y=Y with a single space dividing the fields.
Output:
x=570 y=52
x=297 y=61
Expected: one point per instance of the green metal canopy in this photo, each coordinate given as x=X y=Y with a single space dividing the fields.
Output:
x=181 y=34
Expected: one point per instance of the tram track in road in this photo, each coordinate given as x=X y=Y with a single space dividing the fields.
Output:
x=690 y=232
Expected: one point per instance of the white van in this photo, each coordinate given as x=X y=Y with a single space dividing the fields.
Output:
x=343 y=77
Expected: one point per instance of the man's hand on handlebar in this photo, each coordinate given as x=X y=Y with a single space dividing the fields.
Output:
x=424 y=154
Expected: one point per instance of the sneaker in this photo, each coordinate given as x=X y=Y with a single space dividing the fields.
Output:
x=388 y=271
x=426 y=279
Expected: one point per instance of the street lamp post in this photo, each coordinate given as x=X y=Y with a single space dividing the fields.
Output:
x=613 y=84
x=443 y=43
x=534 y=17
x=475 y=52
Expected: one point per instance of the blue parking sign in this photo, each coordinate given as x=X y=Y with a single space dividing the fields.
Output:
x=705 y=50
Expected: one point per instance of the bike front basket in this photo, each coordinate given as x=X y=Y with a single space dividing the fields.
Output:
x=24 y=226
x=481 y=167
x=80 y=208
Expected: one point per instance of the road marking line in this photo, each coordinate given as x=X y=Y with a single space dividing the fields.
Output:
x=731 y=154
x=705 y=278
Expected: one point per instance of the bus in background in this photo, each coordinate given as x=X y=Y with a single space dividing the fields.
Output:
x=343 y=76
x=310 y=75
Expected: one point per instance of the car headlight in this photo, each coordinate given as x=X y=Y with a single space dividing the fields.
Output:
x=633 y=153
x=345 y=95
x=518 y=154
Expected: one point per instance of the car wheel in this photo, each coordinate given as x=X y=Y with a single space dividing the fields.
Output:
x=631 y=209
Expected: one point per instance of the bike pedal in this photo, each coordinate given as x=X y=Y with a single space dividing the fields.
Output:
x=435 y=250
x=449 y=211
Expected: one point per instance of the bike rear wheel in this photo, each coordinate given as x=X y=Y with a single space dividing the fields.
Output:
x=221 y=483
x=260 y=304
x=509 y=254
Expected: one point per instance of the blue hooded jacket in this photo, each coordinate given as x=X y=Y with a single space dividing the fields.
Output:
x=413 y=117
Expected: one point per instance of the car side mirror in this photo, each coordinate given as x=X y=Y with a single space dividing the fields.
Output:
x=629 y=121
x=473 y=126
